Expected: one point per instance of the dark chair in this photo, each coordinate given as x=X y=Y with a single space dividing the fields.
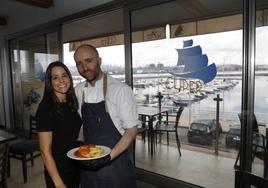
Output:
x=246 y=179
x=170 y=127
x=26 y=149
x=143 y=129
x=3 y=164
x=258 y=141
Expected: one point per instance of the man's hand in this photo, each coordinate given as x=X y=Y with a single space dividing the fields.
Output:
x=96 y=164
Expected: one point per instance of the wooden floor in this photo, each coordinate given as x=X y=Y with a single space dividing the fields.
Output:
x=35 y=175
x=201 y=168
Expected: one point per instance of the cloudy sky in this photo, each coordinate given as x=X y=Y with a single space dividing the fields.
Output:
x=221 y=48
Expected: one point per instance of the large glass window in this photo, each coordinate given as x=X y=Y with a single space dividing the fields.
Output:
x=30 y=59
x=179 y=57
x=261 y=100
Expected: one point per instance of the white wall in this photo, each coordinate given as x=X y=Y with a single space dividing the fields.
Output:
x=22 y=16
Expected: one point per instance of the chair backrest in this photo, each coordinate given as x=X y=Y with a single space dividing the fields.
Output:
x=179 y=112
x=258 y=140
x=255 y=127
x=33 y=127
x=242 y=179
x=3 y=164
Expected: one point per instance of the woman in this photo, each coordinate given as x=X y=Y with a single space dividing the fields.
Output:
x=58 y=124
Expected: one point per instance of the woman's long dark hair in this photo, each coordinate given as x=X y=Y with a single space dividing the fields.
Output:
x=49 y=95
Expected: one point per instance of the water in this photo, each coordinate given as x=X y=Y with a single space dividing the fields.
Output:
x=231 y=104
x=229 y=107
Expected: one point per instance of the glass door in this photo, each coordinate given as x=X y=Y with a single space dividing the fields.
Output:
x=30 y=58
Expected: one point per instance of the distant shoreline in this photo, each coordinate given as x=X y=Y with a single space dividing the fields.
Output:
x=166 y=75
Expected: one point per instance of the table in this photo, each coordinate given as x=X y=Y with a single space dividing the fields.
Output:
x=151 y=112
x=5 y=136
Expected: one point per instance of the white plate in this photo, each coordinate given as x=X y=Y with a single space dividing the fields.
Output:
x=106 y=151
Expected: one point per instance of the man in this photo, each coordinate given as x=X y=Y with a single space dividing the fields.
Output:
x=109 y=114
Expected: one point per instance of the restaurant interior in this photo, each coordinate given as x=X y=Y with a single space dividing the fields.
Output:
x=200 y=125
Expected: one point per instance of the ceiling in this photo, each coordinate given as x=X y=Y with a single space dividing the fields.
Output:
x=38 y=3
x=18 y=16
x=182 y=11
x=97 y=25
x=177 y=11
x=9 y=7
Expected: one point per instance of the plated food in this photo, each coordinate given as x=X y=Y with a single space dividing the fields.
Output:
x=88 y=152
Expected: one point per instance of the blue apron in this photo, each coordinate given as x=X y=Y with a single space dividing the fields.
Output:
x=99 y=129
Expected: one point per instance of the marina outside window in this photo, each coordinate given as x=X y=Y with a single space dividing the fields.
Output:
x=180 y=56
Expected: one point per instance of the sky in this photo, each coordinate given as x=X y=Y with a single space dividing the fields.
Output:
x=221 y=48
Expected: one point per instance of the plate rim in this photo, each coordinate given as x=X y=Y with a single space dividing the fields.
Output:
x=71 y=155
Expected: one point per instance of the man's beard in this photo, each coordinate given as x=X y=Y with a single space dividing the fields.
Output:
x=95 y=75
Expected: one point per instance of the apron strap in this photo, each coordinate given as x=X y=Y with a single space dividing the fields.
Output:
x=104 y=91
x=83 y=94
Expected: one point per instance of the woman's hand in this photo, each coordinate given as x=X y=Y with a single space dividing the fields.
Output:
x=61 y=186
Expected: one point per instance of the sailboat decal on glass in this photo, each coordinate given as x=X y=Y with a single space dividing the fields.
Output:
x=195 y=63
